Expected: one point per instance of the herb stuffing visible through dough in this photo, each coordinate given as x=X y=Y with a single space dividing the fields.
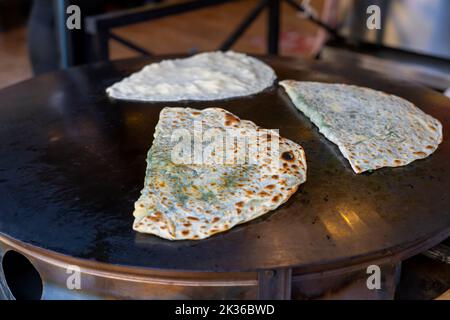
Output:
x=371 y=128
x=195 y=201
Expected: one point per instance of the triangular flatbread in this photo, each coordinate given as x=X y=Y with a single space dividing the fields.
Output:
x=190 y=197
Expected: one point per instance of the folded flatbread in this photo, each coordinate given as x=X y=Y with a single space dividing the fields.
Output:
x=371 y=128
x=205 y=76
x=195 y=199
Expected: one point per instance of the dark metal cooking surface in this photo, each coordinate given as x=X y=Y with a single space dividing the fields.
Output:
x=72 y=163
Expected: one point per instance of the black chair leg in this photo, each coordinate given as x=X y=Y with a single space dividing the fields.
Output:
x=273 y=27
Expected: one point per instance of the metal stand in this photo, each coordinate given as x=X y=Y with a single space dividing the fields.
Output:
x=275 y=284
x=269 y=284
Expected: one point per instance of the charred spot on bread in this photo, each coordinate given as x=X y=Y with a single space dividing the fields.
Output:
x=288 y=156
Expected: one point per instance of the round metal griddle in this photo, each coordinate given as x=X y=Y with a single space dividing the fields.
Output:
x=72 y=163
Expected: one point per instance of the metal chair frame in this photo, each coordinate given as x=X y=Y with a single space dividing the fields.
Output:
x=100 y=26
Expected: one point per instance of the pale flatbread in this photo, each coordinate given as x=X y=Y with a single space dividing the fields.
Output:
x=195 y=201
x=371 y=128
x=205 y=76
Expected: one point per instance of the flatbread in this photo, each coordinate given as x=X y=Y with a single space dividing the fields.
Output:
x=371 y=128
x=205 y=76
x=182 y=200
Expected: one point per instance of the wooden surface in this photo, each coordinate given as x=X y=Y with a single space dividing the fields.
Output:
x=197 y=31
x=445 y=296
x=14 y=63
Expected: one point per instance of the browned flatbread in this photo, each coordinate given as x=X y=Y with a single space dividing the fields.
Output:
x=371 y=128
x=196 y=200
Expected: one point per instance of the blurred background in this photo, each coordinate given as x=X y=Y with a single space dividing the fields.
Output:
x=414 y=38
